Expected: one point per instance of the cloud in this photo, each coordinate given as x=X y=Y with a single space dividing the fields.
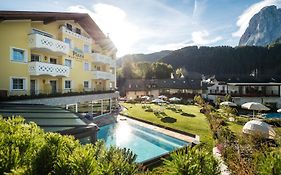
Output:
x=199 y=8
x=153 y=26
x=113 y=21
x=245 y=17
x=201 y=38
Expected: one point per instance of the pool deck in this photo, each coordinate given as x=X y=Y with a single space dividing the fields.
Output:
x=179 y=136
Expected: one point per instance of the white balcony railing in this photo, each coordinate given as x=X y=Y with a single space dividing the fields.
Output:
x=76 y=35
x=40 y=42
x=39 y=68
x=99 y=58
x=103 y=75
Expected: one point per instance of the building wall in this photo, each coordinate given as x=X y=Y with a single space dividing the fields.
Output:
x=155 y=93
x=135 y=94
x=241 y=100
x=15 y=34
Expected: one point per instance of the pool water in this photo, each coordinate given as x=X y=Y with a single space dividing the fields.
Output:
x=144 y=142
x=272 y=115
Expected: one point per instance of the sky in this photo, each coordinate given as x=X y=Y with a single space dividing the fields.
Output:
x=146 y=26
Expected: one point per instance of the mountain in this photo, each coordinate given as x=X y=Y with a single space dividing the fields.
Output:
x=264 y=28
x=152 y=57
x=228 y=62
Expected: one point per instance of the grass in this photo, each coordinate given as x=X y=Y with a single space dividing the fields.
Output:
x=236 y=128
x=194 y=123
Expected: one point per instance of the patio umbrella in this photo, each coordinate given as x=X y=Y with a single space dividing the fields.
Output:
x=257 y=126
x=162 y=96
x=228 y=103
x=279 y=110
x=174 y=99
x=158 y=101
x=255 y=107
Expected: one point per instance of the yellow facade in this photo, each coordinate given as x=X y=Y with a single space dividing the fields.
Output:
x=62 y=66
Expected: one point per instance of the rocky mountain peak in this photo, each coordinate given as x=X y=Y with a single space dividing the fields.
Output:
x=264 y=27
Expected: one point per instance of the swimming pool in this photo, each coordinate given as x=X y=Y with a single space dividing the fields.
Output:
x=144 y=142
x=272 y=115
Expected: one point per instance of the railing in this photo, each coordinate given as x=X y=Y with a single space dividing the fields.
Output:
x=245 y=95
x=40 y=42
x=58 y=93
x=99 y=58
x=76 y=35
x=103 y=75
x=40 y=68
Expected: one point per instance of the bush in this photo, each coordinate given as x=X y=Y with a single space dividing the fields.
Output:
x=269 y=163
x=273 y=122
x=241 y=120
x=149 y=109
x=26 y=149
x=192 y=161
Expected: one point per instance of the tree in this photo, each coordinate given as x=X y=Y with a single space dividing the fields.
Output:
x=128 y=69
x=227 y=97
x=218 y=101
x=161 y=70
x=181 y=72
x=143 y=70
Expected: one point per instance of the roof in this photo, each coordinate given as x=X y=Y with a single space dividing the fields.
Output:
x=48 y=117
x=140 y=84
x=247 y=79
x=83 y=19
x=255 y=84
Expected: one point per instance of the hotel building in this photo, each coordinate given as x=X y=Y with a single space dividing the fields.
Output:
x=56 y=55
x=52 y=52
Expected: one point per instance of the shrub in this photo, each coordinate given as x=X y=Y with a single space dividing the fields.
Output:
x=241 y=120
x=26 y=149
x=273 y=122
x=192 y=161
x=149 y=109
x=269 y=163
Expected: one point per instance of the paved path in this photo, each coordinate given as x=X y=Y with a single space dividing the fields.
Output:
x=162 y=130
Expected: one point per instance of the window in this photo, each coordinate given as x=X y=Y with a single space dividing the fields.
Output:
x=68 y=41
x=18 y=55
x=35 y=58
x=18 y=84
x=69 y=26
x=67 y=84
x=86 y=66
x=86 y=48
x=53 y=60
x=68 y=63
x=86 y=84
x=78 y=31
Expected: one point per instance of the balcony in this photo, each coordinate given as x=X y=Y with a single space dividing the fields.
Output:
x=39 y=68
x=76 y=35
x=103 y=59
x=47 y=44
x=103 y=75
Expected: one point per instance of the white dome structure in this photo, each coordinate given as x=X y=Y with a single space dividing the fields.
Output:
x=259 y=127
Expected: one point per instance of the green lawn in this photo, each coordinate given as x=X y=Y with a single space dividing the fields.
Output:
x=237 y=129
x=195 y=123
